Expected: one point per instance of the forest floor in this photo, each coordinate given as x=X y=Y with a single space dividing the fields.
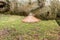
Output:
x=15 y=29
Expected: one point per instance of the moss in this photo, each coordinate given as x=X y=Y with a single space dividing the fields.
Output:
x=58 y=21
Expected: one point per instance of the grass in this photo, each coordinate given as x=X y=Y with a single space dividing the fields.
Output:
x=45 y=29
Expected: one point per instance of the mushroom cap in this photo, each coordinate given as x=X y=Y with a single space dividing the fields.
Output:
x=30 y=18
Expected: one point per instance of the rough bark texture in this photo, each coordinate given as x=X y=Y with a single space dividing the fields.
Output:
x=15 y=5
x=38 y=7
